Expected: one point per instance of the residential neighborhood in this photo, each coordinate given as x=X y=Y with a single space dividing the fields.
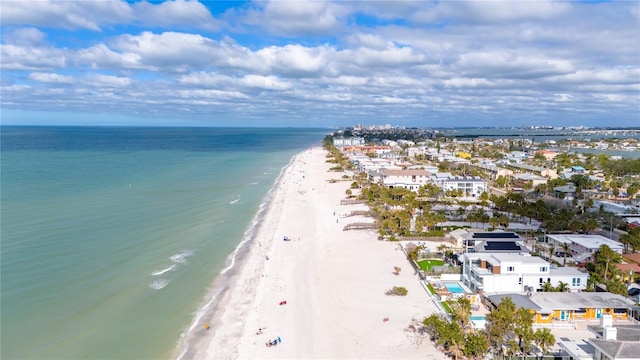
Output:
x=554 y=231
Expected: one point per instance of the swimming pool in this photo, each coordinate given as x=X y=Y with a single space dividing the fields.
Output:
x=454 y=288
x=477 y=318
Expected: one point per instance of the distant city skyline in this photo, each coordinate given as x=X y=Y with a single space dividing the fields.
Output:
x=320 y=63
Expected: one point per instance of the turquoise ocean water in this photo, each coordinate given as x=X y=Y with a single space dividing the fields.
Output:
x=111 y=237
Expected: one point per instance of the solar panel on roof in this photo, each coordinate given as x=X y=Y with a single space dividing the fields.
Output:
x=498 y=235
x=501 y=246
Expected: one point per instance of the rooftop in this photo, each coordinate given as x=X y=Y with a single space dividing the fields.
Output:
x=618 y=349
x=416 y=172
x=588 y=241
x=566 y=271
x=624 y=333
x=518 y=299
x=582 y=300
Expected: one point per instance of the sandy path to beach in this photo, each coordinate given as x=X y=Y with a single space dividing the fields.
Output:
x=333 y=282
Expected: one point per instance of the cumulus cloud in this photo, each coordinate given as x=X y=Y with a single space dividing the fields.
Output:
x=295 y=18
x=489 y=12
x=185 y=13
x=65 y=14
x=410 y=60
x=95 y=15
x=15 y=57
x=26 y=36
x=51 y=78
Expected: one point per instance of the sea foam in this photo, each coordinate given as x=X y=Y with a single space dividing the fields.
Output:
x=158 y=284
x=181 y=257
x=160 y=272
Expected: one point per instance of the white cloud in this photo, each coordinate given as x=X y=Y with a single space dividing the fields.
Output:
x=95 y=15
x=13 y=57
x=27 y=36
x=64 y=14
x=409 y=60
x=51 y=78
x=489 y=12
x=511 y=65
x=265 y=82
x=295 y=60
x=204 y=79
x=186 y=13
x=295 y=18
x=100 y=80
x=170 y=51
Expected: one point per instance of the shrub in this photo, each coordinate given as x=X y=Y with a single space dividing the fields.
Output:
x=397 y=291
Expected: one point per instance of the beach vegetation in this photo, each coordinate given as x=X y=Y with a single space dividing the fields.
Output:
x=510 y=329
x=476 y=345
x=397 y=291
x=454 y=339
x=446 y=306
x=414 y=251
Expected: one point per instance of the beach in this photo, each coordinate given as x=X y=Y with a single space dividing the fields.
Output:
x=322 y=289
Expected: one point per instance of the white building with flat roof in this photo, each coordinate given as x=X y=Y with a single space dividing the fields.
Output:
x=348 y=141
x=469 y=185
x=408 y=179
x=583 y=246
x=513 y=273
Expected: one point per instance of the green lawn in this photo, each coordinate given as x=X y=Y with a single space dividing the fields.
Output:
x=425 y=265
x=446 y=307
x=431 y=289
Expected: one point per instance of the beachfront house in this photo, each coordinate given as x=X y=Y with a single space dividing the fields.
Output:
x=407 y=179
x=562 y=306
x=493 y=241
x=348 y=141
x=516 y=273
x=468 y=186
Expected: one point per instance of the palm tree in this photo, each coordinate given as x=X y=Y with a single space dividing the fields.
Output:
x=565 y=248
x=605 y=255
x=551 y=250
x=563 y=287
x=523 y=330
x=500 y=322
x=547 y=287
x=544 y=339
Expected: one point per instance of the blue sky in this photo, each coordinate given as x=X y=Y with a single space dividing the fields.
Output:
x=320 y=63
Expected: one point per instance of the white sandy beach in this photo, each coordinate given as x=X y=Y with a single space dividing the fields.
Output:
x=333 y=281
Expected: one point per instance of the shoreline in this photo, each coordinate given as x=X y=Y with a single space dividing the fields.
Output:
x=333 y=282
x=193 y=338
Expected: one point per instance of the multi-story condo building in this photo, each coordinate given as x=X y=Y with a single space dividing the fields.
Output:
x=471 y=186
x=516 y=272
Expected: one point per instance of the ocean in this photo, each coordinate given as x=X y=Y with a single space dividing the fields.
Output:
x=111 y=238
